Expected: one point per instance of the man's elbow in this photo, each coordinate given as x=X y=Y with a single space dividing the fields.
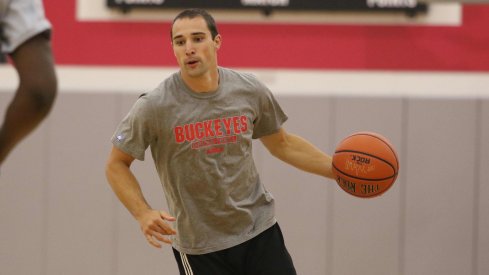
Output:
x=279 y=149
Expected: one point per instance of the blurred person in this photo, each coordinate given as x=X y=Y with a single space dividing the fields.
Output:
x=199 y=124
x=25 y=38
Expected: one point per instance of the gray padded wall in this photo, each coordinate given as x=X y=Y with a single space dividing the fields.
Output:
x=482 y=238
x=23 y=190
x=440 y=186
x=79 y=203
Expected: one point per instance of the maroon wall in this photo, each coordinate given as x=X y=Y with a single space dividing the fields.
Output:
x=328 y=46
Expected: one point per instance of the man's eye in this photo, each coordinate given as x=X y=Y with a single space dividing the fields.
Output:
x=179 y=42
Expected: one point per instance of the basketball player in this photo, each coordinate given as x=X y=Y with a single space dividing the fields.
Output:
x=199 y=124
x=25 y=37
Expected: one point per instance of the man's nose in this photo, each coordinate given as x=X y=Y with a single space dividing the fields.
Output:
x=189 y=49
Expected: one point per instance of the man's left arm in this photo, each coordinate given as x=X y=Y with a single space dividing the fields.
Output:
x=299 y=153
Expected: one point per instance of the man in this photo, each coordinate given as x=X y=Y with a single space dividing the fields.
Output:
x=199 y=124
x=25 y=37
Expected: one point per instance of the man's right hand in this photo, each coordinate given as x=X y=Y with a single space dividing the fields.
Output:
x=155 y=228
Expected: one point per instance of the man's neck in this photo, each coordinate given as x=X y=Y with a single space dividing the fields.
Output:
x=205 y=83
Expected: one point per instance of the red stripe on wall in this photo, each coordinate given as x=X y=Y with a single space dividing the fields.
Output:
x=369 y=47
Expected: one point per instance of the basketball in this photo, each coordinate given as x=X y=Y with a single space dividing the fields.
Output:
x=365 y=164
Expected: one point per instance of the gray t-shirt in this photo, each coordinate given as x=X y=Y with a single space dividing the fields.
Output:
x=201 y=144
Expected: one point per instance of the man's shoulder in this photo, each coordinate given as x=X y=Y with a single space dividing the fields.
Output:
x=236 y=73
x=246 y=78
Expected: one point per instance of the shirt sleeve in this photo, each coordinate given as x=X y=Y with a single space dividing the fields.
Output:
x=270 y=115
x=137 y=130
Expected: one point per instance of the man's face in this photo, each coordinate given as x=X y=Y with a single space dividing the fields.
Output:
x=193 y=46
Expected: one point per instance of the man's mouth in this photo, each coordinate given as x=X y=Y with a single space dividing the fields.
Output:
x=192 y=62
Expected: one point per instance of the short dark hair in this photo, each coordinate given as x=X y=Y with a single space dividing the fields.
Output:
x=192 y=13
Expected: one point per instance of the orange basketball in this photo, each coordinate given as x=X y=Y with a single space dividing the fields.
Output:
x=365 y=164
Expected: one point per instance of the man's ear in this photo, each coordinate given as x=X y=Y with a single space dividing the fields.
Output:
x=218 y=41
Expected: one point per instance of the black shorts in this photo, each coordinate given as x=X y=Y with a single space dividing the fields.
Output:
x=265 y=254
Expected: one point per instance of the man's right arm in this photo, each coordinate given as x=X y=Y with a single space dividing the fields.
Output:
x=126 y=187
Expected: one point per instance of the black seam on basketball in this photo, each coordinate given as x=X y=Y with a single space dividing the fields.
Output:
x=358 y=152
x=358 y=178
x=370 y=135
